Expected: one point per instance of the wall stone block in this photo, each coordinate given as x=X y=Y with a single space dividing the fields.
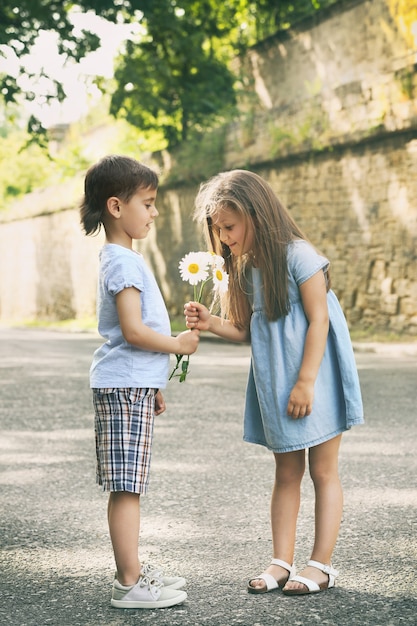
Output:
x=390 y=303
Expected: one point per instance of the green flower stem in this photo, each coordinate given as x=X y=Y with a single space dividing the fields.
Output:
x=177 y=364
x=198 y=295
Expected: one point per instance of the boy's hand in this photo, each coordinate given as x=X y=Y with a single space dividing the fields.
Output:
x=188 y=342
x=196 y=316
x=160 y=405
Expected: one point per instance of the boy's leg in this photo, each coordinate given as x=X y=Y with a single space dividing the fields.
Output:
x=124 y=523
x=324 y=472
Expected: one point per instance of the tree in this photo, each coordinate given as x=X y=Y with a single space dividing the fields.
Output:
x=176 y=77
x=20 y=24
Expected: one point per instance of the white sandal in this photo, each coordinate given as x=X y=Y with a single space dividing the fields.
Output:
x=311 y=585
x=269 y=580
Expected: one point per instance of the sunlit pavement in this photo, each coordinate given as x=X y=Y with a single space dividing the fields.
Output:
x=206 y=516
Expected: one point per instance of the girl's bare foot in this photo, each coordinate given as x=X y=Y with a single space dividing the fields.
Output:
x=280 y=574
x=312 y=573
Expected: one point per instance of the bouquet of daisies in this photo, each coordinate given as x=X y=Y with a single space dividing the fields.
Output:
x=198 y=269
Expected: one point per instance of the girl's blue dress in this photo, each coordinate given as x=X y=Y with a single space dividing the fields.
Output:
x=277 y=351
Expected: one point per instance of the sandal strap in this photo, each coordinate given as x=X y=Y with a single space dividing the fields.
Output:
x=283 y=564
x=326 y=569
x=312 y=586
x=268 y=579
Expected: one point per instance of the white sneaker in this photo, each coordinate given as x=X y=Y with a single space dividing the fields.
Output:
x=152 y=571
x=146 y=594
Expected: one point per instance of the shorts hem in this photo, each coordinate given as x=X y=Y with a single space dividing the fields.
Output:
x=111 y=487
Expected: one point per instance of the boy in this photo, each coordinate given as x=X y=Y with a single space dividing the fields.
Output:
x=130 y=368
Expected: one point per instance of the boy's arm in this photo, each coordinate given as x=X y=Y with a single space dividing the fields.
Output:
x=160 y=405
x=138 y=334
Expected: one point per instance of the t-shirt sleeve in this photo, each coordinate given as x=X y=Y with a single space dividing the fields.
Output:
x=304 y=261
x=122 y=274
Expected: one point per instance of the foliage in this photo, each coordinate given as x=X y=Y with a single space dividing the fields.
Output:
x=175 y=76
x=21 y=170
x=20 y=24
x=267 y=16
x=28 y=166
x=201 y=156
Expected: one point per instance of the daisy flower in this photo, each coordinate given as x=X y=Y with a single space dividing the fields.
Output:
x=194 y=267
x=215 y=260
x=200 y=267
x=218 y=261
x=220 y=280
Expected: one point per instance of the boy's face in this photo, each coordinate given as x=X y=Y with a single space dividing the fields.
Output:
x=137 y=215
x=234 y=231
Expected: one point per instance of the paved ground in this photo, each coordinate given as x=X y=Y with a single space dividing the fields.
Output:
x=206 y=516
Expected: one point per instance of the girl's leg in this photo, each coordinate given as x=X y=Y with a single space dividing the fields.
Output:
x=123 y=513
x=285 y=503
x=323 y=462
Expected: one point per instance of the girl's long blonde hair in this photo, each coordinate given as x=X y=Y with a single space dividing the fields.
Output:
x=273 y=229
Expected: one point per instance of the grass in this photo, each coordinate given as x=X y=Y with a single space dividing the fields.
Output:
x=88 y=324
x=178 y=324
x=73 y=325
x=85 y=324
x=379 y=336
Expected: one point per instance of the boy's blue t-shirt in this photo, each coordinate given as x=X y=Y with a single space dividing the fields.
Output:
x=117 y=363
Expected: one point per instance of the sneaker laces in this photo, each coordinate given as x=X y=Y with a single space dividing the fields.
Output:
x=150 y=582
x=151 y=570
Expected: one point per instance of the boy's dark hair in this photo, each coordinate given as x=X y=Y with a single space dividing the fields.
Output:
x=113 y=175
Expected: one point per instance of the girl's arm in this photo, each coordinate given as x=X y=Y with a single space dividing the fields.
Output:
x=314 y=298
x=198 y=316
x=138 y=334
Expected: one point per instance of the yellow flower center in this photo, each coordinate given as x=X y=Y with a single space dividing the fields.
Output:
x=219 y=275
x=193 y=268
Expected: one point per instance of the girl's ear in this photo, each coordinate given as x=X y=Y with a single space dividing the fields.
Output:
x=113 y=207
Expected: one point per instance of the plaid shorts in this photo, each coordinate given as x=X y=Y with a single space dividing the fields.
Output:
x=124 y=420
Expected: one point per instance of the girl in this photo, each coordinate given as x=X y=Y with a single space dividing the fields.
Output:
x=130 y=368
x=303 y=389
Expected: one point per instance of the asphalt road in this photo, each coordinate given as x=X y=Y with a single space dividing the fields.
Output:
x=206 y=516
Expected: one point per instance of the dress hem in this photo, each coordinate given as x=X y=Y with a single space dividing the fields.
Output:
x=297 y=446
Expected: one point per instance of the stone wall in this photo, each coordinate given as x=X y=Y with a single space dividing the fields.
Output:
x=358 y=205
x=48 y=267
x=329 y=117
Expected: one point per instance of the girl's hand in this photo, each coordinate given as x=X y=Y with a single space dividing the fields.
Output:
x=160 y=405
x=187 y=342
x=197 y=316
x=300 y=403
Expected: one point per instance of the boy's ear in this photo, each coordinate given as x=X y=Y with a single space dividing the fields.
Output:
x=113 y=207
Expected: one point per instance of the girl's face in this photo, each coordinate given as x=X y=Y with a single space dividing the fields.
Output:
x=234 y=230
